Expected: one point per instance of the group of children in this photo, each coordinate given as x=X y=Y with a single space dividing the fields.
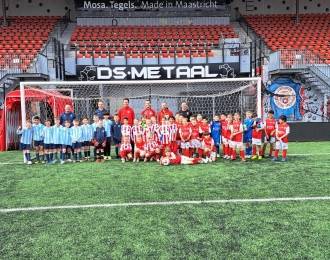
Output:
x=171 y=140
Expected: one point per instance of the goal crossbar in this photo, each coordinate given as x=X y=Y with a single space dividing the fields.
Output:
x=257 y=80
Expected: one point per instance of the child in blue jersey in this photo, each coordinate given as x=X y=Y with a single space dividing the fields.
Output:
x=87 y=137
x=100 y=139
x=26 y=134
x=116 y=134
x=216 y=133
x=66 y=142
x=247 y=137
x=76 y=136
x=47 y=134
x=57 y=146
x=107 y=123
x=38 y=139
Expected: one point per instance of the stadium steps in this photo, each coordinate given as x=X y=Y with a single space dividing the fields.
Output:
x=314 y=81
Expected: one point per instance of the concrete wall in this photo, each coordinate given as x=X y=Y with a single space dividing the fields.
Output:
x=283 y=6
x=38 y=7
x=59 y=7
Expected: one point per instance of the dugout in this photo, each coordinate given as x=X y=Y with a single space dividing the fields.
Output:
x=47 y=104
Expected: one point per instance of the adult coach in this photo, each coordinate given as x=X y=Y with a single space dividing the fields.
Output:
x=164 y=112
x=126 y=111
x=148 y=112
x=100 y=111
x=185 y=111
x=68 y=115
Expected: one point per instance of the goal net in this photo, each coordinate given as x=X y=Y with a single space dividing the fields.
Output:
x=204 y=96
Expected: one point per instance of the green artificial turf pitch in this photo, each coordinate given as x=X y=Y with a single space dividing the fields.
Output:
x=289 y=230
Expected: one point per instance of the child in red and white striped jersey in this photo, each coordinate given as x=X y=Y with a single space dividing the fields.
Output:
x=125 y=149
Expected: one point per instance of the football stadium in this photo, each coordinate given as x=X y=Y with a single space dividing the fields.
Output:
x=164 y=129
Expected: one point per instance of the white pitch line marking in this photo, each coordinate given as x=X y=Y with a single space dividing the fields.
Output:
x=165 y=203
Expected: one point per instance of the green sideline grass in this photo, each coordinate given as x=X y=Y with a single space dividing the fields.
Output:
x=262 y=231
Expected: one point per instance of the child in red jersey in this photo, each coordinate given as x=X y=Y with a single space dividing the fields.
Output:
x=152 y=150
x=281 y=134
x=195 y=140
x=204 y=127
x=227 y=135
x=257 y=130
x=224 y=140
x=269 y=129
x=185 y=134
x=199 y=119
x=139 y=151
x=171 y=158
x=237 y=137
x=125 y=149
x=178 y=119
x=208 y=146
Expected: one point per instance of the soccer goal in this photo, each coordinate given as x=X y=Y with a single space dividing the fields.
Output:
x=204 y=96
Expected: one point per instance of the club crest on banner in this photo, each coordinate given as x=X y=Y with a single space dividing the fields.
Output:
x=285 y=97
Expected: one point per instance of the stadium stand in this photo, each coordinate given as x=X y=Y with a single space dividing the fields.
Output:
x=148 y=42
x=22 y=40
x=281 y=31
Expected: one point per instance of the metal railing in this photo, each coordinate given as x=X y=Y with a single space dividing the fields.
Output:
x=292 y=59
x=30 y=63
x=227 y=54
x=18 y=64
x=322 y=71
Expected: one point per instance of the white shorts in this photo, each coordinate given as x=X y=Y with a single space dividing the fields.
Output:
x=185 y=160
x=271 y=141
x=213 y=155
x=256 y=141
x=237 y=145
x=225 y=141
x=195 y=143
x=281 y=145
x=185 y=145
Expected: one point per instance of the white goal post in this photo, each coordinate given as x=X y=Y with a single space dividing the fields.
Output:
x=205 y=96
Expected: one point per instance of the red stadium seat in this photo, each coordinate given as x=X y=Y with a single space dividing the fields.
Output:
x=26 y=35
x=149 y=38
x=281 y=32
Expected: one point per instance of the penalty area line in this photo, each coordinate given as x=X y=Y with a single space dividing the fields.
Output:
x=165 y=203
